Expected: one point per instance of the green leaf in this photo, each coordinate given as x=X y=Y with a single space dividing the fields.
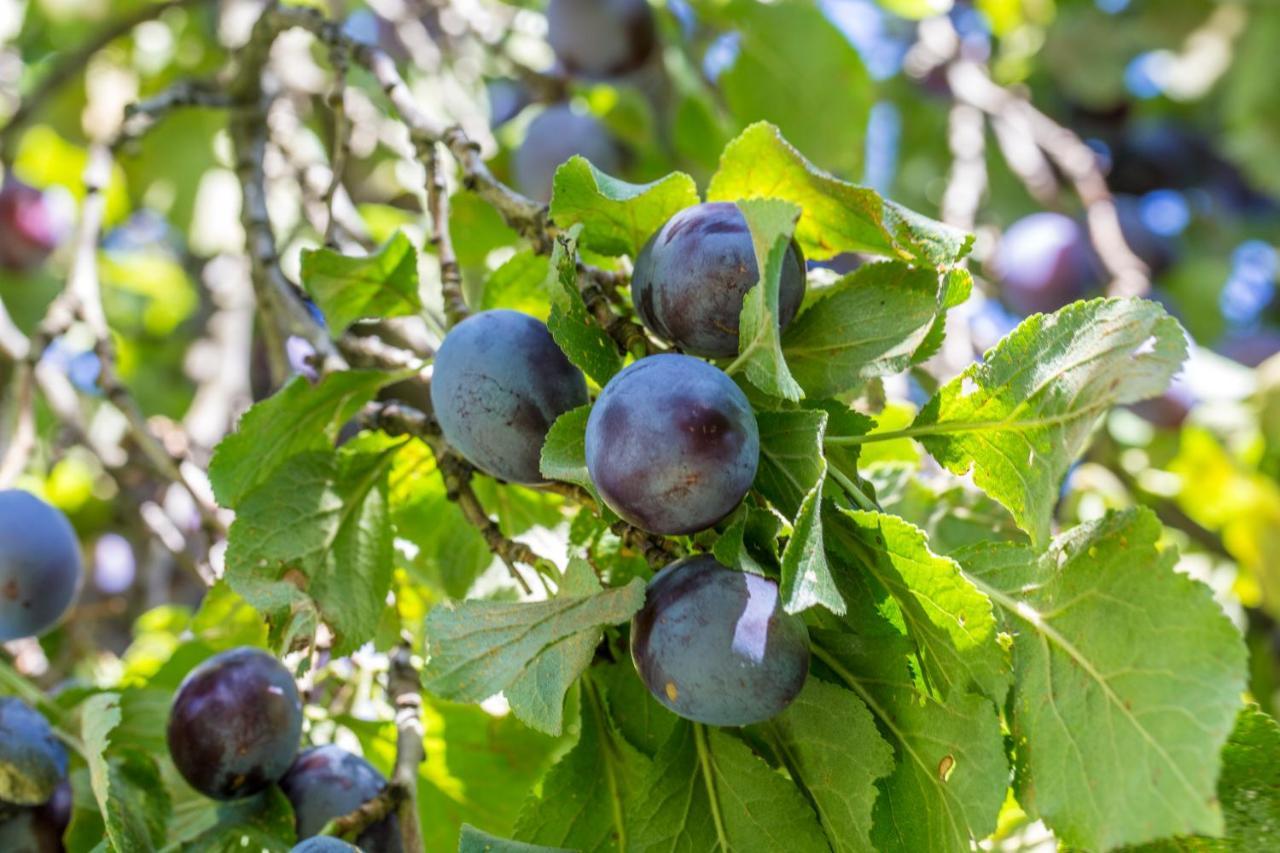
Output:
x=1020 y=418
x=828 y=742
x=588 y=797
x=347 y=289
x=771 y=224
x=640 y=719
x=520 y=284
x=949 y=620
x=869 y=324
x=127 y=785
x=473 y=840
x=564 y=455
x=953 y=517
x=297 y=418
x=478 y=648
x=263 y=823
x=576 y=332
x=838 y=216
x=537 y=694
x=791 y=475
x=320 y=529
x=1128 y=682
x=617 y=218
x=707 y=791
x=951 y=773
x=796 y=68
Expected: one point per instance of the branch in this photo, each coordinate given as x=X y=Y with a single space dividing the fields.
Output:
x=401 y=792
x=455 y=304
x=972 y=85
x=70 y=64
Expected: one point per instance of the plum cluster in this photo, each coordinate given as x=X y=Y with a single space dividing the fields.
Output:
x=40 y=565
x=35 y=794
x=234 y=729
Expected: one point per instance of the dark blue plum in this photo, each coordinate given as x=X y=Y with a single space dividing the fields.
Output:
x=1250 y=348
x=32 y=759
x=235 y=724
x=691 y=277
x=38 y=829
x=40 y=567
x=601 y=38
x=499 y=384
x=557 y=134
x=672 y=444
x=328 y=782
x=1043 y=262
x=715 y=645
x=324 y=844
x=1155 y=250
x=31 y=227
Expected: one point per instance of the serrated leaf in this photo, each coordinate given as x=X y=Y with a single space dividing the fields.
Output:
x=948 y=618
x=644 y=723
x=536 y=696
x=951 y=773
x=473 y=840
x=1020 y=418
x=263 y=823
x=771 y=224
x=297 y=418
x=127 y=785
x=869 y=324
x=575 y=331
x=791 y=475
x=347 y=289
x=616 y=217
x=320 y=529
x=478 y=648
x=828 y=742
x=564 y=454
x=838 y=216
x=1128 y=681
x=707 y=791
x=952 y=516
x=588 y=796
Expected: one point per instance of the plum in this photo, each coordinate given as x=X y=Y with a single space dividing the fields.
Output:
x=38 y=829
x=40 y=566
x=691 y=277
x=715 y=646
x=235 y=724
x=32 y=759
x=326 y=782
x=323 y=844
x=672 y=444
x=557 y=134
x=499 y=384
x=601 y=38
x=30 y=226
x=1043 y=262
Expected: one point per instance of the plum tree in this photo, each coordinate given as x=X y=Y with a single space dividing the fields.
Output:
x=558 y=133
x=715 y=645
x=235 y=724
x=40 y=566
x=500 y=382
x=38 y=829
x=30 y=227
x=1043 y=262
x=691 y=277
x=32 y=759
x=672 y=444
x=326 y=782
x=601 y=38
x=324 y=844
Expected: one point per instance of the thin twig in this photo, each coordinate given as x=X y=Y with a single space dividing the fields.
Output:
x=455 y=304
x=341 y=128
